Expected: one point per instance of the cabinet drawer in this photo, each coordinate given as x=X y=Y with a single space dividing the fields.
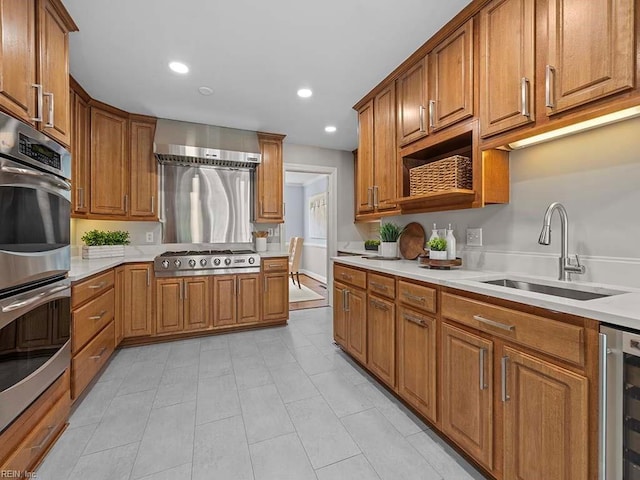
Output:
x=354 y=277
x=91 y=318
x=91 y=358
x=418 y=296
x=40 y=438
x=561 y=340
x=275 y=264
x=83 y=291
x=381 y=285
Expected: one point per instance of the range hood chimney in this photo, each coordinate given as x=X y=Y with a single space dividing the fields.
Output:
x=185 y=143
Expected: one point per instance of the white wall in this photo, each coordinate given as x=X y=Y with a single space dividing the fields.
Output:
x=596 y=175
x=311 y=189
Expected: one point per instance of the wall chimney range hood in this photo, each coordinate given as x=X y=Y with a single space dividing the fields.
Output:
x=195 y=144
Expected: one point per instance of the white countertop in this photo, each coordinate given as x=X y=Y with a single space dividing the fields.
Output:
x=622 y=309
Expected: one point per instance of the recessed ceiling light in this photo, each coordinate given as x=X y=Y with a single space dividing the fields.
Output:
x=206 y=91
x=330 y=129
x=179 y=67
x=305 y=92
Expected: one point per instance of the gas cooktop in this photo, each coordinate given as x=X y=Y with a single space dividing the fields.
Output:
x=206 y=262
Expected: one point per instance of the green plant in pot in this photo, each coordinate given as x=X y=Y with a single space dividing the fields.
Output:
x=437 y=248
x=389 y=234
x=371 y=244
x=104 y=244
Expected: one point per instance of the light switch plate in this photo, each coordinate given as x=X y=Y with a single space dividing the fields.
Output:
x=474 y=237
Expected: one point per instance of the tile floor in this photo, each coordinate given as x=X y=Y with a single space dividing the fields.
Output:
x=280 y=403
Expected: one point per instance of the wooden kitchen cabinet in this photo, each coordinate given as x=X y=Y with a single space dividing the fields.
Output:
x=507 y=65
x=416 y=339
x=138 y=300
x=451 y=79
x=269 y=180
x=236 y=299
x=467 y=392
x=411 y=89
x=224 y=300
x=546 y=427
x=275 y=289
x=109 y=161
x=144 y=168
x=364 y=166
x=80 y=149
x=197 y=302
x=590 y=51
x=340 y=331
x=350 y=309
x=119 y=313
x=381 y=334
x=248 y=310
x=182 y=304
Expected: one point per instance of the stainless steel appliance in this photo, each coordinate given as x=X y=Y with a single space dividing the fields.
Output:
x=619 y=404
x=34 y=206
x=206 y=262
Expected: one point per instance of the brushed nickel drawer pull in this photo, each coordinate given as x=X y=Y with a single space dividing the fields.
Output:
x=493 y=323
x=377 y=285
x=379 y=305
x=416 y=320
x=346 y=276
x=44 y=441
x=99 y=316
x=273 y=265
x=99 y=355
x=414 y=298
x=100 y=285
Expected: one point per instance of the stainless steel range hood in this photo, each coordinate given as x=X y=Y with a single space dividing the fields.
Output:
x=185 y=143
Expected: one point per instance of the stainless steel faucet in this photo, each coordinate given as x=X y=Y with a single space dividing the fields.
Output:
x=566 y=267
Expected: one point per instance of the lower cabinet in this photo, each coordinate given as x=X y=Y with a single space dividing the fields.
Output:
x=138 y=300
x=381 y=334
x=182 y=304
x=236 y=299
x=275 y=296
x=350 y=307
x=118 y=319
x=340 y=331
x=467 y=392
x=416 y=339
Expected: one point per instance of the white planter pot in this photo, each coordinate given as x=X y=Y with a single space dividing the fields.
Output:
x=106 y=251
x=388 y=249
x=435 y=255
x=261 y=244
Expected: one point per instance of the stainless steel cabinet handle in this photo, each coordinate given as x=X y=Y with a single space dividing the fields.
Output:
x=44 y=441
x=36 y=298
x=378 y=286
x=153 y=204
x=99 y=355
x=38 y=117
x=58 y=182
x=548 y=98
x=524 y=91
x=180 y=290
x=78 y=197
x=346 y=276
x=603 y=353
x=414 y=298
x=99 y=316
x=346 y=300
x=503 y=363
x=432 y=111
x=376 y=199
x=416 y=320
x=265 y=284
x=493 y=323
x=50 y=124
x=370 y=196
x=421 y=118
x=95 y=287
x=483 y=352
x=379 y=305
x=126 y=204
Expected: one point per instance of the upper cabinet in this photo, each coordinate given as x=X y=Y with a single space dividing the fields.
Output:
x=34 y=84
x=364 y=163
x=451 y=79
x=590 y=51
x=144 y=168
x=412 y=98
x=80 y=149
x=269 y=180
x=507 y=65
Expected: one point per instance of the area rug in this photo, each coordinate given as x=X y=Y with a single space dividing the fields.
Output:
x=303 y=294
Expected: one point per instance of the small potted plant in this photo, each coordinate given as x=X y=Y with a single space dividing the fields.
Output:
x=104 y=244
x=371 y=245
x=437 y=249
x=389 y=234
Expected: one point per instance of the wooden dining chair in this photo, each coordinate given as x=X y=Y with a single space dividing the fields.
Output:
x=295 y=256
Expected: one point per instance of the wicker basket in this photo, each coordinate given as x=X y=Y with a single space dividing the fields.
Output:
x=445 y=174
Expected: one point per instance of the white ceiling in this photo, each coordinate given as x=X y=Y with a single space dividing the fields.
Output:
x=301 y=178
x=253 y=54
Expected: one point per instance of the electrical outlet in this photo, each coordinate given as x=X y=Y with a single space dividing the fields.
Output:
x=149 y=237
x=474 y=237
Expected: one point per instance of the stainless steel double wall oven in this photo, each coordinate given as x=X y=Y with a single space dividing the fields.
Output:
x=34 y=263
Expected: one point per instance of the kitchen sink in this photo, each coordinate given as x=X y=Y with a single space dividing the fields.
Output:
x=572 y=293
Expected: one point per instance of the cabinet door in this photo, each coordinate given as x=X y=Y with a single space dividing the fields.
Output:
x=269 y=180
x=385 y=151
x=118 y=319
x=507 y=65
x=144 y=168
x=381 y=338
x=364 y=165
x=138 y=300
x=357 y=324
x=248 y=298
x=417 y=361
x=339 y=315
x=275 y=296
x=451 y=82
x=224 y=300
x=197 y=302
x=169 y=305
x=18 y=54
x=53 y=36
x=467 y=392
x=546 y=412
x=81 y=151
x=109 y=163
x=591 y=51
x=411 y=89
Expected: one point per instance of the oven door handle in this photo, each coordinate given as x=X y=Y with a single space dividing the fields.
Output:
x=34 y=299
x=58 y=182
